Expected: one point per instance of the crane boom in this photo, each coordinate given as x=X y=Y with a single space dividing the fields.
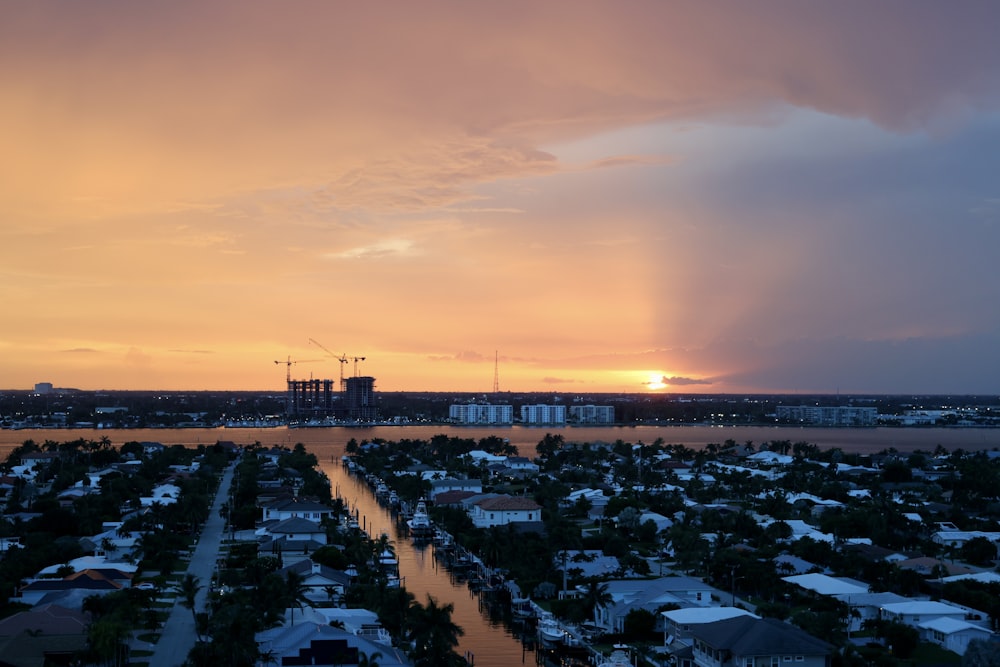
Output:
x=288 y=365
x=343 y=359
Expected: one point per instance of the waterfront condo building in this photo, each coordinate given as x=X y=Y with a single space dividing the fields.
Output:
x=554 y=415
x=827 y=415
x=592 y=414
x=481 y=413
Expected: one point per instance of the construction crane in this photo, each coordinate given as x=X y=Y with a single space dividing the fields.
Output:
x=288 y=365
x=342 y=359
x=356 y=360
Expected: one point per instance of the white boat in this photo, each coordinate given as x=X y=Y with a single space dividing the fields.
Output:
x=549 y=630
x=388 y=562
x=420 y=523
x=522 y=608
x=442 y=539
x=618 y=658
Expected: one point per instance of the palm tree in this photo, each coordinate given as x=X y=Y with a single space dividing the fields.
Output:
x=108 y=545
x=596 y=596
x=433 y=634
x=295 y=592
x=188 y=589
x=107 y=638
x=268 y=657
x=331 y=593
x=366 y=660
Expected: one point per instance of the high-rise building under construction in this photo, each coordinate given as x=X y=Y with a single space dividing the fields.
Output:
x=319 y=399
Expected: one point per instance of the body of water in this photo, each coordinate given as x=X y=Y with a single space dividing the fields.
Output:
x=327 y=442
x=489 y=644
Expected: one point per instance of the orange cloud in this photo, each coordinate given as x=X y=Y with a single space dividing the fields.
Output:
x=238 y=177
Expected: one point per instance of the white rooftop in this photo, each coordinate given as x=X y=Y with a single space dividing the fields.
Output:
x=947 y=625
x=693 y=615
x=826 y=585
x=922 y=607
x=89 y=563
x=982 y=577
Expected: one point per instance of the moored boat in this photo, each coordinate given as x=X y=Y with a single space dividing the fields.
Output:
x=618 y=658
x=420 y=523
x=522 y=608
x=549 y=630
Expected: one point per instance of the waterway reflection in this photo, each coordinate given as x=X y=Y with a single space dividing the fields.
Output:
x=488 y=642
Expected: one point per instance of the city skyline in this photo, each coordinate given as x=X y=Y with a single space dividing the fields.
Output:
x=583 y=197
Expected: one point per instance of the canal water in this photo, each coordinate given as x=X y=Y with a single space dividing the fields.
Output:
x=488 y=643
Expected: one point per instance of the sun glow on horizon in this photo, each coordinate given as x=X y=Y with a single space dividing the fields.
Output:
x=655 y=381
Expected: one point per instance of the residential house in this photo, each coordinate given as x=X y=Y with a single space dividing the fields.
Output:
x=867 y=607
x=292 y=508
x=163 y=494
x=152 y=448
x=800 y=529
x=38 y=460
x=293 y=538
x=313 y=643
x=747 y=641
x=590 y=563
x=789 y=564
x=360 y=622
x=502 y=510
x=768 y=458
x=449 y=484
x=981 y=577
x=823 y=584
x=677 y=623
x=452 y=498
x=934 y=567
x=915 y=612
x=93 y=582
x=956 y=539
x=321 y=583
x=46 y=635
x=598 y=501
x=951 y=634
x=272 y=455
x=126 y=570
x=521 y=464
x=651 y=595
x=481 y=457
x=662 y=523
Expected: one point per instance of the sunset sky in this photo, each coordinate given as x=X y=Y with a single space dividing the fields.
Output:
x=619 y=196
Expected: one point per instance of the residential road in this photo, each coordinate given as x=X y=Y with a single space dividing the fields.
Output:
x=178 y=636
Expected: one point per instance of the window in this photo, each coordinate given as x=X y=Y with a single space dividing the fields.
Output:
x=800 y=658
x=787 y=658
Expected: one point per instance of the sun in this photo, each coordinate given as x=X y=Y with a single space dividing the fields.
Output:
x=655 y=382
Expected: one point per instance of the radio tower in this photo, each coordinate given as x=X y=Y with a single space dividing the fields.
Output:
x=496 y=372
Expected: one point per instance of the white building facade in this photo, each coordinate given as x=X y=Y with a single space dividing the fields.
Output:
x=592 y=414
x=543 y=414
x=481 y=413
x=828 y=415
x=502 y=510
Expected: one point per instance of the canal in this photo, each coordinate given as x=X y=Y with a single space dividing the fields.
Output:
x=485 y=643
